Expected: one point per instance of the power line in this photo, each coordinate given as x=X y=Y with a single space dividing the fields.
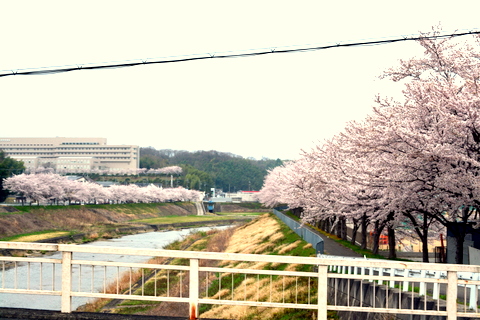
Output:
x=250 y=53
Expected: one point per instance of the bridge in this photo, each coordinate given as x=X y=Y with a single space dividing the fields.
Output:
x=335 y=284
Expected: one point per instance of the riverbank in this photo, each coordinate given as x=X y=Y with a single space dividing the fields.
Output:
x=264 y=235
x=67 y=224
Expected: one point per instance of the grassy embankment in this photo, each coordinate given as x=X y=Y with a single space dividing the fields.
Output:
x=264 y=235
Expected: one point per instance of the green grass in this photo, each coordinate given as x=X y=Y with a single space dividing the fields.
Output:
x=133 y=310
x=242 y=214
x=138 y=302
x=37 y=233
x=129 y=207
x=9 y=213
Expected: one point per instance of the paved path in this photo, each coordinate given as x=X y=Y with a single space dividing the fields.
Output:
x=331 y=247
x=200 y=208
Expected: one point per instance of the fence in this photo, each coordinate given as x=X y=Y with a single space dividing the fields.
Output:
x=304 y=232
x=241 y=283
x=470 y=291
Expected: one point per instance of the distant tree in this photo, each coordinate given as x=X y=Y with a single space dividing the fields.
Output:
x=149 y=162
x=8 y=167
x=223 y=170
x=50 y=188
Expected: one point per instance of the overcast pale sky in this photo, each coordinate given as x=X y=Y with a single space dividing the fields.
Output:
x=265 y=106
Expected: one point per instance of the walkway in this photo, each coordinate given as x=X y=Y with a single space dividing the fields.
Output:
x=331 y=247
x=200 y=208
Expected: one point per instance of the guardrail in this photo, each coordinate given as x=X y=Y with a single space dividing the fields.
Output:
x=304 y=232
x=409 y=275
x=245 y=281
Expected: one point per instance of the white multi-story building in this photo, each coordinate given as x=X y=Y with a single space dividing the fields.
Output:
x=71 y=154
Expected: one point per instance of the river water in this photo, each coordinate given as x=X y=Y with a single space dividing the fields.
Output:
x=149 y=240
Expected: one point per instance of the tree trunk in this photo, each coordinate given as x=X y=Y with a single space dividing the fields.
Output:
x=339 y=227
x=425 y=238
x=425 y=249
x=364 y=232
x=376 y=238
x=324 y=224
x=421 y=230
x=392 y=250
x=344 y=228
x=297 y=212
x=354 y=231
x=458 y=229
x=332 y=224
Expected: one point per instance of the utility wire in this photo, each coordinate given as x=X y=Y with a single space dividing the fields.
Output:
x=272 y=50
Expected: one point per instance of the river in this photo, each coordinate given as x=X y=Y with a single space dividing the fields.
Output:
x=150 y=240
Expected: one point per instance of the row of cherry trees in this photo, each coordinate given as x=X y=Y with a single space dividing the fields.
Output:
x=414 y=162
x=54 y=188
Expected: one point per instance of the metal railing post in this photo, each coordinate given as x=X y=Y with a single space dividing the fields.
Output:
x=322 y=292
x=473 y=292
x=423 y=286
x=452 y=288
x=66 y=282
x=194 y=289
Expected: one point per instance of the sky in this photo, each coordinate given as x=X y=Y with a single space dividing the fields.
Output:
x=271 y=106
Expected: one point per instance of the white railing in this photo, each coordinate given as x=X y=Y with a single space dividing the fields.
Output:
x=241 y=282
x=410 y=275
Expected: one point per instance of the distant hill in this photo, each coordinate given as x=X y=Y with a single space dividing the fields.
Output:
x=203 y=170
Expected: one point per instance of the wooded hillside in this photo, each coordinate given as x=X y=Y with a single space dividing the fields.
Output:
x=203 y=170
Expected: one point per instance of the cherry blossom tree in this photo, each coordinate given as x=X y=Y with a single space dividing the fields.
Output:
x=429 y=143
x=416 y=161
x=45 y=187
x=437 y=132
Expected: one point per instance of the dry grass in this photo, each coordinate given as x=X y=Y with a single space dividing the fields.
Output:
x=126 y=278
x=289 y=247
x=38 y=237
x=115 y=287
x=247 y=238
x=260 y=236
x=217 y=243
x=280 y=290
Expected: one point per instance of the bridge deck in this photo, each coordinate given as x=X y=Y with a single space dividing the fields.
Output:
x=27 y=314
